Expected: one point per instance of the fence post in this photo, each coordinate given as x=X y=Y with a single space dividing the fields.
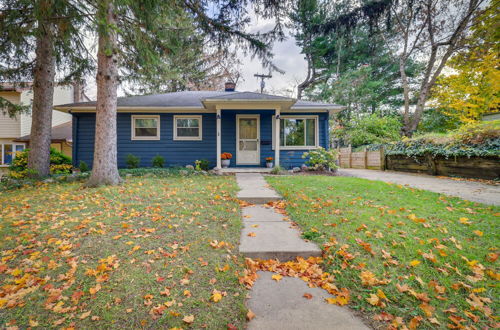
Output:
x=382 y=158
x=365 y=160
x=350 y=157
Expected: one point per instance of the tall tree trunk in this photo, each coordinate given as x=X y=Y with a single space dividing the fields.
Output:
x=406 y=94
x=105 y=167
x=43 y=97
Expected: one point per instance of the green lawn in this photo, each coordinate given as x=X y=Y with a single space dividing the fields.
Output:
x=139 y=255
x=405 y=255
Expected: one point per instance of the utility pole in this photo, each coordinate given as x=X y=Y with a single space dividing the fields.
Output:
x=262 y=83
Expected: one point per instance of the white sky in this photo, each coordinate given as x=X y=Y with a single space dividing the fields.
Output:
x=287 y=57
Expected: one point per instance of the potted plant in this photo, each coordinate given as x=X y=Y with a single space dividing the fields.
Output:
x=269 y=162
x=226 y=159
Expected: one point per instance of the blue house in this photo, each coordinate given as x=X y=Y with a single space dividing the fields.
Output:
x=187 y=126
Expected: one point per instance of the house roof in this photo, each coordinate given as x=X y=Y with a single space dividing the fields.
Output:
x=196 y=99
x=62 y=132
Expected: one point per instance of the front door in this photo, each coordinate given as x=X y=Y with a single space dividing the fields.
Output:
x=247 y=140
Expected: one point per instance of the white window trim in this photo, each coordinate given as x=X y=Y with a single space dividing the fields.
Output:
x=316 y=133
x=14 y=145
x=145 y=138
x=189 y=138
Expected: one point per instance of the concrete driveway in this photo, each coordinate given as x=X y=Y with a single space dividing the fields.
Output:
x=469 y=190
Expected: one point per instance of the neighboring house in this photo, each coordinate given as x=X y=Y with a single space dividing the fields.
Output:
x=187 y=126
x=61 y=138
x=12 y=129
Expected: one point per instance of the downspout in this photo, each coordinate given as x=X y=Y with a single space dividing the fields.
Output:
x=74 y=152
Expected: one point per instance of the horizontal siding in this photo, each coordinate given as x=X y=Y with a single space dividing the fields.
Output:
x=181 y=153
x=10 y=127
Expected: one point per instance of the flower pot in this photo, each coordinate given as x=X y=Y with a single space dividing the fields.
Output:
x=225 y=163
x=269 y=164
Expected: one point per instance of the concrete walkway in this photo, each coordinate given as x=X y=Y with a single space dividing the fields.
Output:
x=281 y=305
x=254 y=189
x=468 y=190
x=267 y=235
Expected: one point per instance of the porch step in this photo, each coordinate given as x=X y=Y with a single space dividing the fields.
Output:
x=234 y=170
x=254 y=189
x=274 y=237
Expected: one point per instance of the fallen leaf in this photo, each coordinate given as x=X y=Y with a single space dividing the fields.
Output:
x=188 y=319
x=84 y=315
x=307 y=296
x=250 y=315
x=277 y=277
x=414 y=263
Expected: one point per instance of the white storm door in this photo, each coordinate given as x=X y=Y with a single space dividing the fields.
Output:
x=247 y=140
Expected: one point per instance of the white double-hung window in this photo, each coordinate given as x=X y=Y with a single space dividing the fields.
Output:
x=188 y=128
x=145 y=127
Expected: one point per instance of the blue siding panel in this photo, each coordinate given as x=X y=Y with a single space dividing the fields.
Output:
x=181 y=153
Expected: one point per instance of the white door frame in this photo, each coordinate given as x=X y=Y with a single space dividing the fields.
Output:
x=238 y=116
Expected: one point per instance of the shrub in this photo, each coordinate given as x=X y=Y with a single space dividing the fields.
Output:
x=277 y=170
x=321 y=159
x=478 y=139
x=59 y=164
x=132 y=161
x=158 y=161
x=83 y=167
x=202 y=165
x=372 y=129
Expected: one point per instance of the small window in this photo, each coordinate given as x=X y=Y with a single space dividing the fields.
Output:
x=145 y=127
x=8 y=152
x=187 y=128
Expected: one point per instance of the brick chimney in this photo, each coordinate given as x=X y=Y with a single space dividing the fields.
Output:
x=229 y=86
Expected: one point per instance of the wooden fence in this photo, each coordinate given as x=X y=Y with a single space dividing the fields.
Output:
x=374 y=160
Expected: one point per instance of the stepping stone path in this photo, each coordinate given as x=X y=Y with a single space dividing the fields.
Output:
x=267 y=235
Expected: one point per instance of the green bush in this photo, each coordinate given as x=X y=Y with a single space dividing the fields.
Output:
x=322 y=159
x=372 y=129
x=59 y=164
x=202 y=165
x=132 y=161
x=157 y=172
x=277 y=170
x=83 y=167
x=479 y=139
x=158 y=161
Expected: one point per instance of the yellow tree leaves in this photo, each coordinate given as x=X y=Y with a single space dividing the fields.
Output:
x=473 y=87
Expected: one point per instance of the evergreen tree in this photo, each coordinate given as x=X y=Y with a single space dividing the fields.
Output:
x=38 y=37
x=349 y=66
x=136 y=36
x=427 y=31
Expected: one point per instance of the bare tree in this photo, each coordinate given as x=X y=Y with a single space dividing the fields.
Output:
x=429 y=31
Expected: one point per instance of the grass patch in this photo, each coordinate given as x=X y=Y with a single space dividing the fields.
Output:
x=138 y=255
x=432 y=257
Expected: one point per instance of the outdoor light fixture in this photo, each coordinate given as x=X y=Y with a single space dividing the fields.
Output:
x=218 y=116
x=277 y=117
